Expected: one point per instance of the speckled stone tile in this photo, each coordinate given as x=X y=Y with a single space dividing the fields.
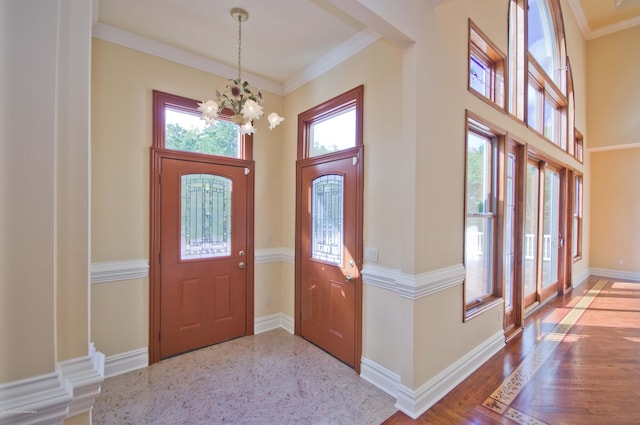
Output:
x=270 y=378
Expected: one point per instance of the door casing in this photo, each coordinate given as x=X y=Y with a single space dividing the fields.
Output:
x=157 y=154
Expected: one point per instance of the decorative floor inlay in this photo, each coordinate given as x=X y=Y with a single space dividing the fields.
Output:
x=501 y=399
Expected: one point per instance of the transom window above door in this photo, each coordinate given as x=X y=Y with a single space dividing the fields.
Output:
x=185 y=131
x=333 y=134
x=333 y=126
x=178 y=126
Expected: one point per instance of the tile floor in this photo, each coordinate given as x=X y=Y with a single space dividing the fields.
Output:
x=270 y=378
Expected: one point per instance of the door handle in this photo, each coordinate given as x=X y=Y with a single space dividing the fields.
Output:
x=348 y=277
x=242 y=265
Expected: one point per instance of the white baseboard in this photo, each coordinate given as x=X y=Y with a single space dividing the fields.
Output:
x=273 y=321
x=126 y=362
x=379 y=376
x=415 y=403
x=615 y=274
x=50 y=398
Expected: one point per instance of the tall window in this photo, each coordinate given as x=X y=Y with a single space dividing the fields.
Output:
x=481 y=217
x=539 y=73
x=576 y=242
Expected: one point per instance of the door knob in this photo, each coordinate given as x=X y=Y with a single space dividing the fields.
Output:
x=348 y=278
x=242 y=265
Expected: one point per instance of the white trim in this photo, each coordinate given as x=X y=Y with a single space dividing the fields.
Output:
x=164 y=51
x=578 y=12
x=52 y=397
x=610 y=29
x=83 y=377
x=273 y=255
x=111 y=271
x=38 y=400
x=590 y=34
x=615 y=274
x=415 y=403
x=355 y=44
x=126 y=362
x=413 y=286
x=577 y=281
x=379 y=376
x=615 y=147
x=273 y=321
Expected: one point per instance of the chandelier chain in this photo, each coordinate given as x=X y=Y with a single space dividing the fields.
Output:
x=239 y=49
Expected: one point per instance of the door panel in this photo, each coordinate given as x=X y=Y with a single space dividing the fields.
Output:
x=202 y=285
x=328 y=272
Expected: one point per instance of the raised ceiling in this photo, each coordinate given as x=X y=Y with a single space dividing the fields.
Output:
x=285 y=43
x=602 y=17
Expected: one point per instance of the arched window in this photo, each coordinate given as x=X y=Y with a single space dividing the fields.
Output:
x=538 y=67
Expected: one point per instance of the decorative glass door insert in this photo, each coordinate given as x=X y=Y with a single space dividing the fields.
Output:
x=327 y=200
x=205 y=216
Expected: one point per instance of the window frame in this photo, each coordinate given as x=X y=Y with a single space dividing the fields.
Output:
x=162 y=101
x=351 y=99
x=578 y=146
x=485 y=51
x=497 y=137
x=577 y=215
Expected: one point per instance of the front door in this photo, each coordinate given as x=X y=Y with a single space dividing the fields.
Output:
x=203 y=243
x=329 y=282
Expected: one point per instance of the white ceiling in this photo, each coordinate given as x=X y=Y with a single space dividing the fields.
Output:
x=285 y=43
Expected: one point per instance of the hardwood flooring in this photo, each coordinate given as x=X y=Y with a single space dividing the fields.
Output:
x=576 y=362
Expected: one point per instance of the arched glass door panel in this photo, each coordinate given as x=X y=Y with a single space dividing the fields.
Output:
x=205 y=218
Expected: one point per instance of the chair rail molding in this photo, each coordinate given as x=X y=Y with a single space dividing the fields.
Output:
x=413 y=286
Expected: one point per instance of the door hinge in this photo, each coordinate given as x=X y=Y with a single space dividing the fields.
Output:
x=246 y=171
x=159 y=258
x=159 y=335
x=355 y=160
x=160 y=179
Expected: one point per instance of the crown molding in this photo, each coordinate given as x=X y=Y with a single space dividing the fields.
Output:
x=152 y=47
x=615 y=147
x=590 y=34
x=329 y=61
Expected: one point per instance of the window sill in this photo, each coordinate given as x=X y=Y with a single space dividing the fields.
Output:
x=478 y=309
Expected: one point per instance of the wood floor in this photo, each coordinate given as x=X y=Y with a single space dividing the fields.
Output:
x=577 y=362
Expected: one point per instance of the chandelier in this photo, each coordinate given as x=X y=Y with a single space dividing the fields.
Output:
x=238 y=96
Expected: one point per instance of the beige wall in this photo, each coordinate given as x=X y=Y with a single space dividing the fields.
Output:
x=613 y=111
x=613 y=65
x=415 y=103
x=123 y=81
x=615 y=226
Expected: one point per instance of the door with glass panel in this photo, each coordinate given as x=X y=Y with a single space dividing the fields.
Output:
x=202 y=254
x=329 y=273
x=543 y=242
x=329 y=211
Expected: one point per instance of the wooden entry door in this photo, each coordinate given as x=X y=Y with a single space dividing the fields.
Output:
x=203 y=254
x=328 y=283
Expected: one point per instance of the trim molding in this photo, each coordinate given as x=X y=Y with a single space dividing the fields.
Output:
x=126 y=362
x=415 y=403
x=273 y=321
x=83 y=377
x=615 y=274
x=383 y=378
x=413 y=286
x=590 y=34
x=111 y=271
x=52 y=397
x=274 y=255
x=615 y=147
x=155 y=48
